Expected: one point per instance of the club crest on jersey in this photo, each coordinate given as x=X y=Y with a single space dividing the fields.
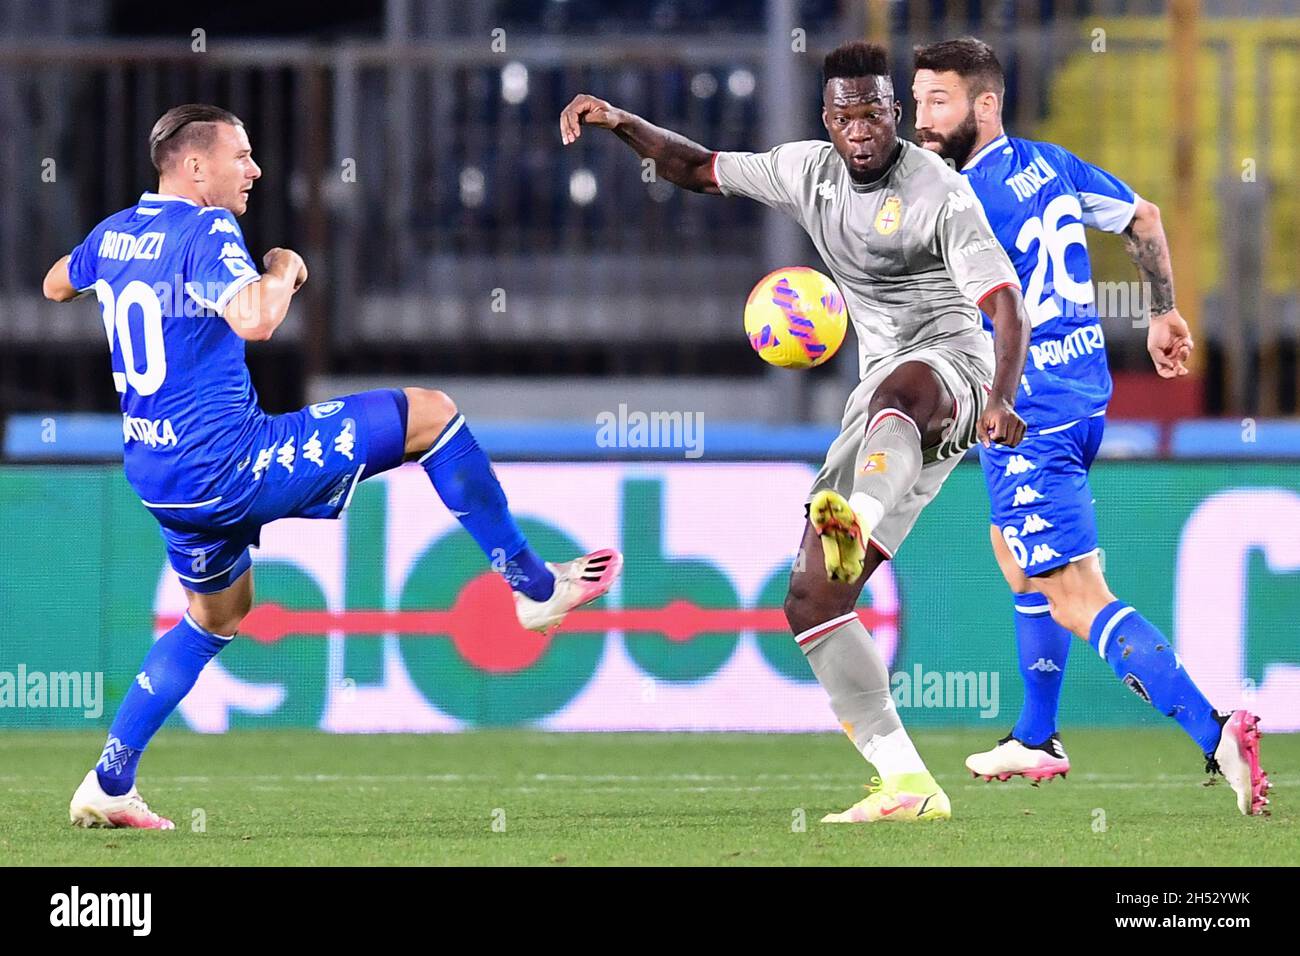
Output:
x=891 y=213
x=324 y=409
x=875 y=464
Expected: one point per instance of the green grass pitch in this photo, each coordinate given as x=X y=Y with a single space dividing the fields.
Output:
x=515 y=797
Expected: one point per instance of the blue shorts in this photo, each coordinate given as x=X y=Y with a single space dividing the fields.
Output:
x=1039 y=496
x=305 y=464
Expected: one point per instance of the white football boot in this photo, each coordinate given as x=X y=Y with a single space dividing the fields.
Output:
x=92 y=807
x=576 y=583
x=1011 y=758
x=1237 y=758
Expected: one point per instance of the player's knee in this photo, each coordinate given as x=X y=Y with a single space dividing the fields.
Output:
x=1071 y=613
x=912 y=389
x=1077 y=593
x=805 y=609
x=1062 y=616
x=226 y=620
x=899 y=397
x=1016 y=580
x=428 y=412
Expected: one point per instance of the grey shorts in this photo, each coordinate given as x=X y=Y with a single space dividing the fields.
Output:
x=967 y=378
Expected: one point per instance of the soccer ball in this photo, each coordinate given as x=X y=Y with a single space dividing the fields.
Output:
x=795 y=318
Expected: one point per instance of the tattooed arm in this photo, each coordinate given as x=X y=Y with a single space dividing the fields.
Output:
x=1169 y=341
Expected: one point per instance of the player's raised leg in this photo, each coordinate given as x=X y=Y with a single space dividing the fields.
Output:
x=845 y=660
x=1033 y=748
x=908 y=411
x=438 y=437
x=107 y=797
x=1145 y=660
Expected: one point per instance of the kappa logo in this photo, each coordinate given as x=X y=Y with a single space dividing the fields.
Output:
x=222 y=224
x=1034 y=524
x=286 y=454
x=958 y=202
x=313 y=451
x=325 y=409
x=346 y=439
x=1018 y=465
x=143 y=680
x=825 y=189
x=264 y=459
x=1026 y=495
x=1045 y=665
x=1043 y=552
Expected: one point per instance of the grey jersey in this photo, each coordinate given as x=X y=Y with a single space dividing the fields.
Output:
x=912 y=252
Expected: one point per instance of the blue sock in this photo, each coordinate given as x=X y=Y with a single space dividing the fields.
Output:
x=1043 y=647
x=464 y=480
x=169 y=671
x=1144 y=659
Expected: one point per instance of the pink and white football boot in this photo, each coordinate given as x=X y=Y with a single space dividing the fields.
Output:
x=1237 y=758
x=1011 y=758
x=577 y=582
x=92 y=807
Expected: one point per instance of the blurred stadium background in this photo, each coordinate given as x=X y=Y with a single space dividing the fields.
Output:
x=410 y=152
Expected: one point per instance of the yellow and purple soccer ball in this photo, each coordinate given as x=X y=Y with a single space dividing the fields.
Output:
x=795 y=318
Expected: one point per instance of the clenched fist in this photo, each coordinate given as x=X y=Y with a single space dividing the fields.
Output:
x=1000 y=424
x=288 y=262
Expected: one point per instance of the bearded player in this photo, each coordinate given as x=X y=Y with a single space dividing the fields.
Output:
x=1039 y=197
x=912 y=252
x=211 y=466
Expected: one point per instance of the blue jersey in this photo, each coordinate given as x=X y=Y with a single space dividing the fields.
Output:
x=1038 y=198
x=164 y=271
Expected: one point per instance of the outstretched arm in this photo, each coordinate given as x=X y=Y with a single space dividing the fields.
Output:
x=677 y=159
x=1169 y=341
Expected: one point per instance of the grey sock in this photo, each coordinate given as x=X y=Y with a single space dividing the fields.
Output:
x=889 y=459
x=849 y=667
